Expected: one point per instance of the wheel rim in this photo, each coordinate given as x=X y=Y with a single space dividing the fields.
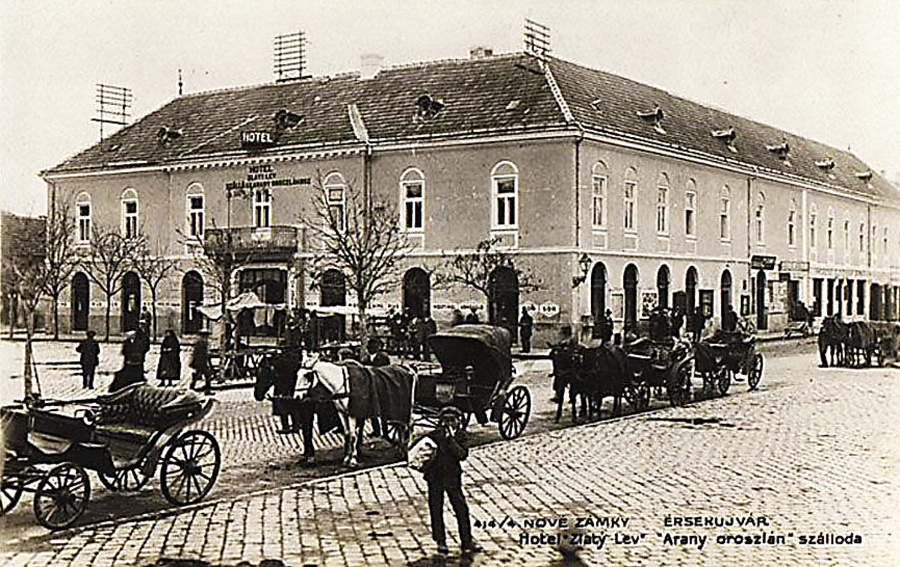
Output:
x=755 y=372
x=10 y=493
x=680 y=389
x=62 y=496
x=190 y=467
x=125 y=480
x=516 y=409
x=724 y=381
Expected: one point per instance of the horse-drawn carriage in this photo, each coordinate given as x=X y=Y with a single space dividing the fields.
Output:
x=857 y=343
x=664 y=365
x=124 y=436
x=726 y=354
x=476 y=377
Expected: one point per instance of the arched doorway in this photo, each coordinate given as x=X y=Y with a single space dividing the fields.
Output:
x=630 y=283
x=598 y=296
x=662 y=286
x=503 y=299
x=81 y=302
x=725 y=287
x=690 y=289
x=762 y=319
x=333 y=294
x=131 y=301
x=191 y=299
x=417 y=292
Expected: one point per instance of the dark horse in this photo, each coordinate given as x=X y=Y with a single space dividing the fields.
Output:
x=833 y=335
x=591 y=374
x=861 y=344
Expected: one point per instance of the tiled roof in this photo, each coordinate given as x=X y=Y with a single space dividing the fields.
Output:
x=493 y=94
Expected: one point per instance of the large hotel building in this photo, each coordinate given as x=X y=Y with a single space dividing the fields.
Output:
x=613 y=193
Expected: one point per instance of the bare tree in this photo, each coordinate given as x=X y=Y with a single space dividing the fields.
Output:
x=60 y=259
x=152 y=266
x=476 y=269
x=360 y=237
x=107 y=260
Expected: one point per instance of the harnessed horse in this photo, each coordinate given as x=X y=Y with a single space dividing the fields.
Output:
x=334 y=380
x=834 y=335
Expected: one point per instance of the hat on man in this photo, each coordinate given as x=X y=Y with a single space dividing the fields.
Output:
x=450 y=411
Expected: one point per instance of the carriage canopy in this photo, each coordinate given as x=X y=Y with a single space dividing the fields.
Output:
x=484 y=347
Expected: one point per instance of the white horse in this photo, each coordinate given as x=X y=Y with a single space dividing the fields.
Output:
x=335 y=379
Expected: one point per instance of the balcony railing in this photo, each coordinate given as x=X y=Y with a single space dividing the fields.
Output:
x=264 y=243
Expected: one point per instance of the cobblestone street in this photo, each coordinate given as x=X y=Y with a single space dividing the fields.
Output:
x=814 y=453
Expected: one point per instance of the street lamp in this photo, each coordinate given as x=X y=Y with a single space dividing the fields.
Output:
x=585 y=263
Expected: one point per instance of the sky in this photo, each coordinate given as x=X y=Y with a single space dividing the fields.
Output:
x=828 y=70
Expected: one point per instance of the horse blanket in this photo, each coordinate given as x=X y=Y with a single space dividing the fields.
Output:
x=383 y=391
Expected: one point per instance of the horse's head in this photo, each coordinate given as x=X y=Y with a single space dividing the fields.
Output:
x=265 y=379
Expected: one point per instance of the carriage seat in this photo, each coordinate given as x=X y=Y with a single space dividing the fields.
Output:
x=138 y=411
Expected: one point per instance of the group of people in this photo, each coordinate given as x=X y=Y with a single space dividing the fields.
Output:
x=409 y=333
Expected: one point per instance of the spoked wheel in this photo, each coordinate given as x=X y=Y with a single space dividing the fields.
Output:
x=724 y=381
x=679 y=387
x=397 y=433
x=516 y=410
x=756 y=370
x=61 y=496
x=125 y=480
x=10 y=492
x=190 y=466
x=637 y=395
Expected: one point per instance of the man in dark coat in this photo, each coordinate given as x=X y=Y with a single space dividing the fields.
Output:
x=606 y=327
x=526 y=326
x=141 y=346
x=730 y=321
x=377 y=356
x=90 y=359
x=169 y=370
x=200 y=362
x=444 y=475
x=430 y=328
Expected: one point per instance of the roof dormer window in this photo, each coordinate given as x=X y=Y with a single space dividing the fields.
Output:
x=428 y=107
x=782 y=151
x=654 y=117
x=165 y=135
x=826 y=165
x=728 y=135
x=513 y=104
x=286 y=119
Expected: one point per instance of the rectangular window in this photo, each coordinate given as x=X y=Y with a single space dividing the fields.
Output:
x=846 y=237
x=662 y=210
x=862 y=238
x=506 y=203
x=830 y=234
x=414 y=206
x=195 y=216
x=812 y=231
x=262 y=208
x=630 y=188
x=598 y=205
x=84 y=223
x=336 y=205
x=690 y=207
x=760 y=227
x=724 y=229
x=131 y=219
x=792 y=239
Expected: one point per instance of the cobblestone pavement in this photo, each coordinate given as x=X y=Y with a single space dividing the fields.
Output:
x=814 y=453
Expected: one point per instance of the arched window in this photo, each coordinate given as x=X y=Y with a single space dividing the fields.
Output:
x=760 y=219
x=412 y=193
x=862 y=238
x=846 y=238
x=829 y=230
x=662 y=204
x=83 y=210
x=335 y=193
x=725 y=213
x=262 y=208
x=813 y=214
x=690 y=288
x=792 y=224
x=690 y=209
x=505 y=191
x=599 y=178
x=630 y=196
x=196 y=211
x=129 y=213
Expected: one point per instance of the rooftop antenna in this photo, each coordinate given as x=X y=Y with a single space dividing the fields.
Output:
x=537 y=38
x=113 y=105
x=290 y=56
x=180 y=84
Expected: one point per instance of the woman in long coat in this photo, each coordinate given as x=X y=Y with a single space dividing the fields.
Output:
x=169 y=370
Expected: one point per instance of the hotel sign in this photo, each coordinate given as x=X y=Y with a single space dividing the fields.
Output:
x=255 y=139
x=264 y=176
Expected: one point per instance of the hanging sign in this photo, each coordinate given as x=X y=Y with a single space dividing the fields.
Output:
x=549 y=309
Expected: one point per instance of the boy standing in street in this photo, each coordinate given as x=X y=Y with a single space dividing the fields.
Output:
x=90 y=358
x=444 y=475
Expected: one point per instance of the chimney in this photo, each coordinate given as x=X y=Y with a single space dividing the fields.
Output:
x=370 y=65
x=480 y=52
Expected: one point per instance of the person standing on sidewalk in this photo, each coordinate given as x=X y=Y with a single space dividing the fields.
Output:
x=169 y=370
x=90 y=359
x=444 y=475
x=526 y=325
x=200 y=363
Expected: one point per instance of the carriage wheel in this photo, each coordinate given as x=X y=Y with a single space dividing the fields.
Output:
x=61 y=496
x=10 y=493
x=516 y=410
x=679 y=387
x=125 y=480
x=190 y=467
x=724 y=381
x=397 y=433
x=756 y=370
x=637 y=395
